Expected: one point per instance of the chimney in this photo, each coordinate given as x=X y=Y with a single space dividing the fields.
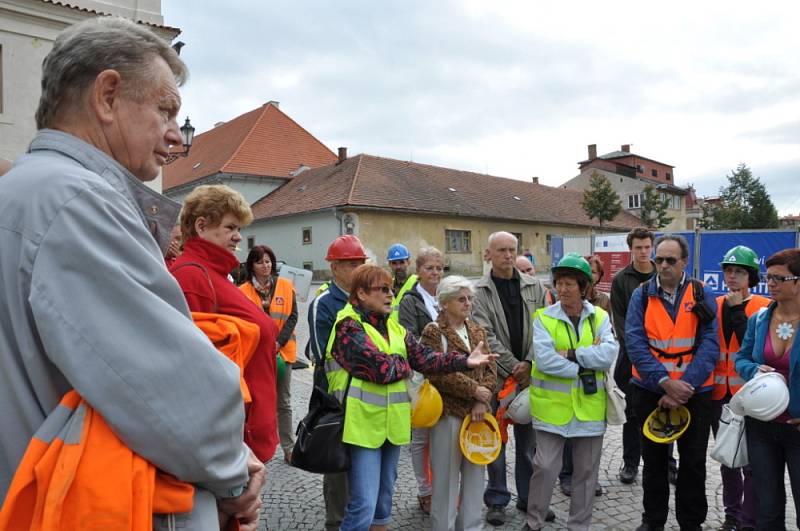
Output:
x=219 y=124
x=626 y=148
x=274 y=103
x=535 y=180
x=592 y=151
x=342 y=155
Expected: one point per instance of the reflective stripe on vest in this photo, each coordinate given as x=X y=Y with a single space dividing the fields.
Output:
x=725 y=376
x=374 y=412
x=557 y=400
x=280 y=308
x=407 y=285
x=673 y=339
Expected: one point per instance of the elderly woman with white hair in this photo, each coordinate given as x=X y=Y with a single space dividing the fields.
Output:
x=463 y=393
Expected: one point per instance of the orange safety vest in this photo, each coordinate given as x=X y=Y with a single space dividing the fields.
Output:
x=725 y=375
x=236 y=338
x=280 y=308
x=77 y=474
x=673 y=343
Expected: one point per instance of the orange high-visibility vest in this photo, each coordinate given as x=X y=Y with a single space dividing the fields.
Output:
x=280 y=308
x=673 y=343
x=236 y=338
x=77 y=474
x=725 y=375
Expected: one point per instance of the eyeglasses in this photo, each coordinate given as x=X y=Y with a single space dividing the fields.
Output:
x=778 y=278
x=671 y=260
x=386 y=290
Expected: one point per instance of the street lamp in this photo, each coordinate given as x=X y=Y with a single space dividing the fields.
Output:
x=187 y=135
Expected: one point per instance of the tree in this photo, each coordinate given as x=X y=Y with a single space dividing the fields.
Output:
x=654 y=209
x=600 y=200
x=743 y=204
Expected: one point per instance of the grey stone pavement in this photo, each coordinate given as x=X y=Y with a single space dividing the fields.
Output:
x=292 y=499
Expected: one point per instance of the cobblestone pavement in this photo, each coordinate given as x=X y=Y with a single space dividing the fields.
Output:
x=293 y=498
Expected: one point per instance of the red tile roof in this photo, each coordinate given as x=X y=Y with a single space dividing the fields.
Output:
x=263 y=142
x=366 y=181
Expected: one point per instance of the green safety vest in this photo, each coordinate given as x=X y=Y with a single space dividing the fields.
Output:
x=556 y=400
x=409 y=283
x=374 y=412
x=321 y=289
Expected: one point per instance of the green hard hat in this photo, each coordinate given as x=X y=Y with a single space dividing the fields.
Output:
x=576 y=262
x=281 y=367
x=741 y=256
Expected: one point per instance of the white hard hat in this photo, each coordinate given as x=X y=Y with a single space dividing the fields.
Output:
x=764 y=397
x=519 y=410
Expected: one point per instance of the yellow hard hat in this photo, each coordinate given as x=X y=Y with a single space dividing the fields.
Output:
x=428 y=408
x=666 y=425
x=480 y=441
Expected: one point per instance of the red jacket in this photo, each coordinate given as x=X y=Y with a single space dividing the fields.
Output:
x=261 y=432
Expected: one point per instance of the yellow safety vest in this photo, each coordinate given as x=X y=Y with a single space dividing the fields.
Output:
x=409 y=283
x=556 y=400
x=374 y=412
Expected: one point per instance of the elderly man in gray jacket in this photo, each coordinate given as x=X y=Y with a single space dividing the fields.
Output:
x=86 y=302
x=505 y=302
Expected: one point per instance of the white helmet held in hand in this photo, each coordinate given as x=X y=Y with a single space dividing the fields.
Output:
x=519 y=410
x=764 y=397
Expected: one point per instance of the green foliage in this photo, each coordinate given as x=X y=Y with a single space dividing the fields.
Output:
x=744 y=204
x=654 y=209
x=600 y=201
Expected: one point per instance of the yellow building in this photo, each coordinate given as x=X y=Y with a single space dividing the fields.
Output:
x=384 y=201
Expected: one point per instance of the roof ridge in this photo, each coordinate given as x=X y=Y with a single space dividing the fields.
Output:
x=246 y=137
x=355 y=178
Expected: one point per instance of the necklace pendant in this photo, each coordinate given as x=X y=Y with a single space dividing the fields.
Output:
x=784 y=331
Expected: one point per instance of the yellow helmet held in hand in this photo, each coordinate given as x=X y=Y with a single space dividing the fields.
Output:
x=480 y=441
x=428 y=406
x=666 y=425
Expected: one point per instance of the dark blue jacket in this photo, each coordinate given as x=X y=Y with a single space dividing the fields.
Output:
x=650 y=369
x=751 y=355
x=321 y=316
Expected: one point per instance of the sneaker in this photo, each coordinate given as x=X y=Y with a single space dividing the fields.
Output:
x=599 y=490
x=496 y=515
x=628 y=473
x=730 y=524
x=566 y=488
x=551 y=516
x=648 y=527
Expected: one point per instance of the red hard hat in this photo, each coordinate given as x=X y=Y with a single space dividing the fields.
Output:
x=346 y=247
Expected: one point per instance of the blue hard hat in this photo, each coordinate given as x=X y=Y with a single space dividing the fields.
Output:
x=398 y=251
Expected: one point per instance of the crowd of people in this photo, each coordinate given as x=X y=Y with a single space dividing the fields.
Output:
x=122 y=333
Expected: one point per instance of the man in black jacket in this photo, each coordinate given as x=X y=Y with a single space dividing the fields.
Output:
x=641 y=268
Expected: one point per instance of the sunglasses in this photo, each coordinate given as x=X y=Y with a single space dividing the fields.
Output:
x=386 y=290
x=671 y=260
x=778 y=278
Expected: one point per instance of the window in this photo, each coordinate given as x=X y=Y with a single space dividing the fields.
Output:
x=654 y=172
x=639 y=168
x=306 y=235
x=518 y=236
x=251 y=242
x=676 y=201
x=458 y=241
x=308 y=266
x=634 y=200
x=669 y=176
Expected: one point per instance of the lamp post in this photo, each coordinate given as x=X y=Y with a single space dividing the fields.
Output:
x=187 y=136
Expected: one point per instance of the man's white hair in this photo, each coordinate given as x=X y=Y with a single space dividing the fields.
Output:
x=493 y=236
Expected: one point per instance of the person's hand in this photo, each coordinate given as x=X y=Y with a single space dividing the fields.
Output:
x=522 y=372
x=678 y=390
x=478 y=410
x=597 y=341
x=794 y=422
x=174 y=249
x=247 y=506
x=765 y=368
x=668 y=402
x=563 y=353
x=482 y=394
x=480 y=356
x=734 y=297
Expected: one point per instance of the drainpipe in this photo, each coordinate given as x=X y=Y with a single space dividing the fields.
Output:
x=338 y=216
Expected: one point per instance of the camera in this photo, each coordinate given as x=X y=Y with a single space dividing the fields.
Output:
x=588 y=380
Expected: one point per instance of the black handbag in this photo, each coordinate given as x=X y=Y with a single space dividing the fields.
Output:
x=318 y=446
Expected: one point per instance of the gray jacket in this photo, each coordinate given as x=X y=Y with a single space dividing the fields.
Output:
x=488 y=312
x=86 y=302
x=414 y=314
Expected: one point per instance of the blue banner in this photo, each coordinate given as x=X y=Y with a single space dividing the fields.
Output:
x=556 y=249
x=714 y=245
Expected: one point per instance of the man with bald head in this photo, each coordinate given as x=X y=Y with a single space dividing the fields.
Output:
x=525 y=266
x=505 y=302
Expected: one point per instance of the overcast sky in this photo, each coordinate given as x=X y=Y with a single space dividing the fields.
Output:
x=515 y=89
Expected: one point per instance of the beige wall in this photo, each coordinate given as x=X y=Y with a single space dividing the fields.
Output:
x=378 y=230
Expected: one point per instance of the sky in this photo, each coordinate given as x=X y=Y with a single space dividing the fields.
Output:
x=513 y=88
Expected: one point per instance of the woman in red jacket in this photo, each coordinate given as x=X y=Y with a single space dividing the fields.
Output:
x=211 y=219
